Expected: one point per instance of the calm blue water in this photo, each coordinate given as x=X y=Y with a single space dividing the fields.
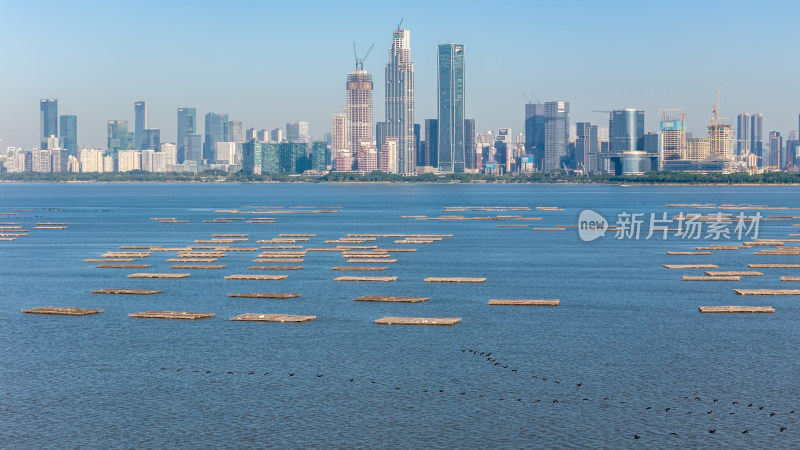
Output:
x=627 y=329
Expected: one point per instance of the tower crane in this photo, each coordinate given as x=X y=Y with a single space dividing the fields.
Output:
x=360 y=61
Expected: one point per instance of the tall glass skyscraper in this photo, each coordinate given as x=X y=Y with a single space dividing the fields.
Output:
x=431 y=154
x=151 y=139
x=756 y=136
x=586 y=147
x=68 y=132
x=187 y=126
x=359 y=109
x=139 y=124
x=450 y=101
x=556 y=134
x=470 y=144
x=534 y=132
x=626 y=130
x=743 y=134
x=216 y=131
x=400 y=100
x=48 y=120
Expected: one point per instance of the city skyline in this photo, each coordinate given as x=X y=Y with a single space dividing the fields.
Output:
x=503 y=64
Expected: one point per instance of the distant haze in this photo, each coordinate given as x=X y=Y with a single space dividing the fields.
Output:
x=268 y=63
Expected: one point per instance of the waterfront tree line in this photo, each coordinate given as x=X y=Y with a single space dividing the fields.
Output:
x=555 y=176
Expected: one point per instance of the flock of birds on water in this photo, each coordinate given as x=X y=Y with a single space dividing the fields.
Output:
x=716 y=409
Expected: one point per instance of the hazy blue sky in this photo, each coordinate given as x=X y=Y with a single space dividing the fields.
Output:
x=270 y=63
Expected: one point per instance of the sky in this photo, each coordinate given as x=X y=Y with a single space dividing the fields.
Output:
x=268 y=63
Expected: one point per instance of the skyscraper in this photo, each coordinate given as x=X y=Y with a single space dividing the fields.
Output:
x=151 y=139
x=235 y=133
x=68 y=131
x=297 y=132
x=756 y=136
x=586 y=147
x=534 y=132
x=470 y=144
x=48 y=120
x=775 y=146
x=193 y=148
x=743 y=134
x=187 y=126
x=450 y=102
x=556 y=134
x=673 y=139
x=626 y=130
x=431 y=158
x=359 y=110
x=400 y=100
x=119 y=138
x=342 y=156
x=139 y=124
x=216 y=131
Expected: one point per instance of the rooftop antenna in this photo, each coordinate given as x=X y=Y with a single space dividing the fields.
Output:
x=360 y=61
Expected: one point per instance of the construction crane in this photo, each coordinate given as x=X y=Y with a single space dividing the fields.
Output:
x=528 y=98
x=360 y=61
x=715 y=123
x=400 y=24
x=664 y=112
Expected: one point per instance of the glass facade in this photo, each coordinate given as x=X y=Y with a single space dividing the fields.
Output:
x=586 y=147
x=187 y=124
x=319 y=151
x=400 y=100
x=193 y=148
x=139 y=124
x=216 y=131
x=470 y=144
x=431 y=157
x=151 y=139
x=756 y=137
x=534 y=132
x=48 y=120
x=451 y=108
x=119 y=138
x=68 y=131
x=556 y=134
x=626 y=130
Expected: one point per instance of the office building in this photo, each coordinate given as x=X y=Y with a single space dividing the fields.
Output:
x=380 y=134
x=297 y=132
x=743 y=123
x=48 y=120
x=534 y=132
x=139 y=124
x=193 y=149
x=756 y=136
x=68 y=132
x=187 y=126
x=470 y=145
x=450 y=105
x=556 y=134
x=151 y=139
x=586 y=147
x=775 y=147
x=431 y=155
x=119 y=138
x=235 y=133
x=216 y=130
x=722 y=140
x=400 y=100
x=626 y=130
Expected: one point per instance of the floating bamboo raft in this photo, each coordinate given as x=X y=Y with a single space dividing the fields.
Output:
x=278 y=260
x=122 y=266
x=548 y=229
x=198 y=266
x=274 y=267
x=736 y=309
x=379 y=279
x=252 y=317
x=158 y=275
x=282 y=247
x=377 y=298
x=62 y=311
x=767 y=291
x=734 y=273
x=297 y=235
x=455 y=279
x=358 y=268
x=691 y=266
x=126 y=255
x=196 y=260
x=710 y=278
x=790 y=278
x=374 y=260
x=230 y=235
x=722 y=247
x=418 y=320
x=171 y=315
x=266 y=295
x=774 y=266
x=525 y=302
x=127 y=291
x=688 y=253
x=256 y=277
